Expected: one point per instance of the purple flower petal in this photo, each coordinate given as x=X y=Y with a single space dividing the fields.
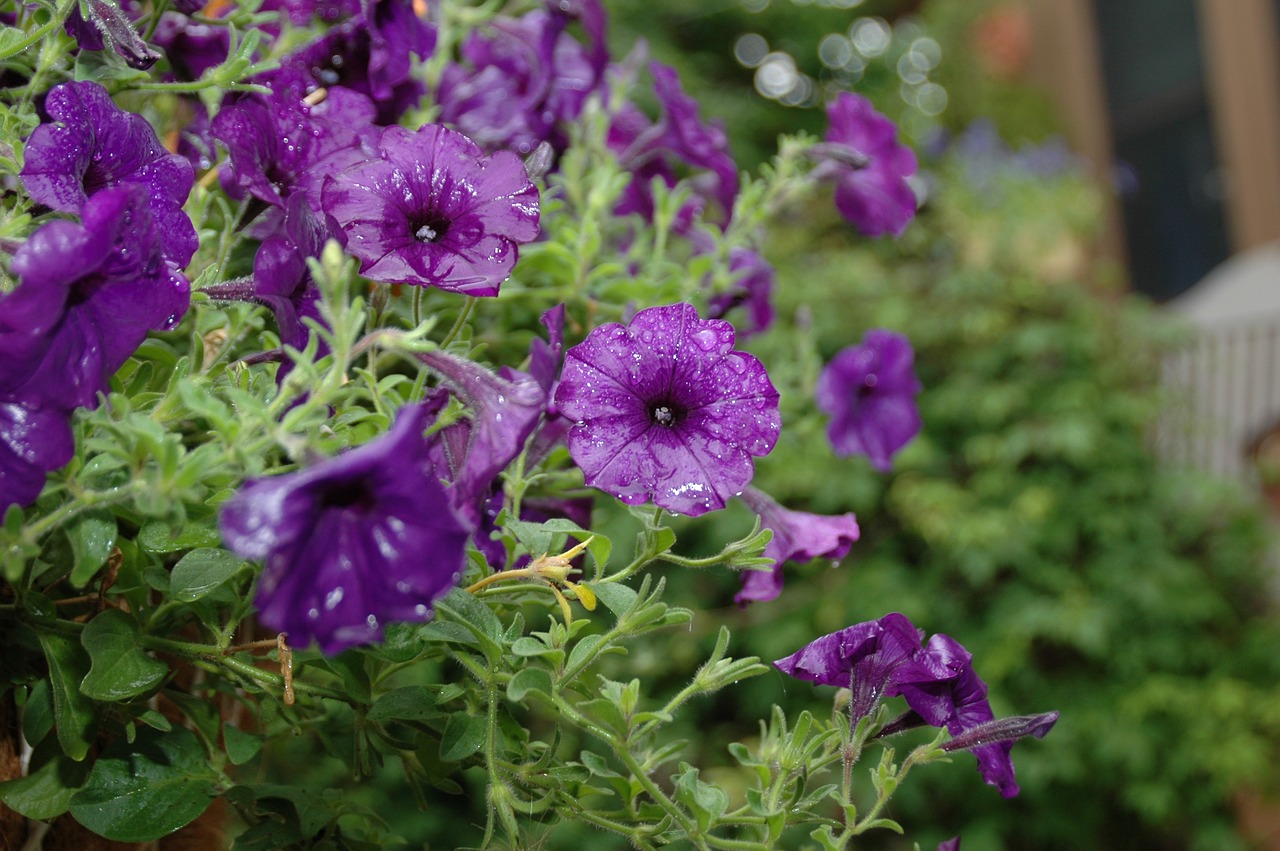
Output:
x=33 y=442
x=111 y=283
x=862 y=657
x=869 y=390
x=667 y=411
x=351 y=542
x=875 y=197
x=434 y=211
x=94 y=145
x=797 y=536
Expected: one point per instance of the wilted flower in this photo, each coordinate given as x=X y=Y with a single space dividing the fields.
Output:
x=432 y=210
x=92 y=291
x=352 y=542
x=666 y=410
x=797 y=536
x=870 y=392
x=93 y=145
x=869 y=166
x=33 y=442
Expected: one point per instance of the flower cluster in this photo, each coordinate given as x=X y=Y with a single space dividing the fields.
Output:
x=885 y=658
x=88 y=292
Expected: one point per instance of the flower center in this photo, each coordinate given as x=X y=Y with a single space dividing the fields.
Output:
x=665 y=414
x=868 y=386
x=357 y=496
x=430 y=229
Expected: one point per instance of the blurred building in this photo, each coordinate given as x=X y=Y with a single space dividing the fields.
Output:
x=1179 y=103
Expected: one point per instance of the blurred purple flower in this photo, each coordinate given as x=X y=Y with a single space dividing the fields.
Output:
x=369 y=52
x=351 y=542
x=752 y=290
x=952 y=844
x=869 y=166
x=797 y=536
x=667 y=411
x=191 y=47
x=33 y=442
x=869 y=390
x=92 y=145
x=433 y=211
x=523 y=78
x=97 y=289
x=863 y=658
x=680 y=141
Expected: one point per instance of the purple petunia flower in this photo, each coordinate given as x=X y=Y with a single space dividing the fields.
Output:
x=869 y=166
x=797 y=536
x=523 y=79
x=369 y=52
x=351 y=542
x=109 y=26
x=93 y=291
x=884 y=658
x=93 y=145
x=870 y=392
x=666 y=410
x=680 y=140
x=862 y=658
x=433 y=211
x=33 y=442
x=279 y=144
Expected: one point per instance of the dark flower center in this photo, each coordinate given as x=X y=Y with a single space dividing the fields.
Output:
x=430 y=228
x=868 y=386
x=665 y=413
x=356 y=496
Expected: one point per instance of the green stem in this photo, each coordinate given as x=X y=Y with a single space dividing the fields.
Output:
x=463 y=314
x=59 y=17
x=660 y=798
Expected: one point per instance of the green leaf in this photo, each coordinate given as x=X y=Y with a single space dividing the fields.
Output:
x=617 y=597
x=527 y=680
x=200 y=571
x=159 y=537
x=241 y=746
x=92 y=536
x=410 y=703
x=462 y=607
x=74 y=714
x=120 y=668
x=47 y=789
x=140 y=792
x=463 y=736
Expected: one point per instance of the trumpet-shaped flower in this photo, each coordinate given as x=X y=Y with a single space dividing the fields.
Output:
x=797 y=536
x=665 y=410
x=433 y=211
x=870 y=392
x=869 y=165
x=352 y=542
